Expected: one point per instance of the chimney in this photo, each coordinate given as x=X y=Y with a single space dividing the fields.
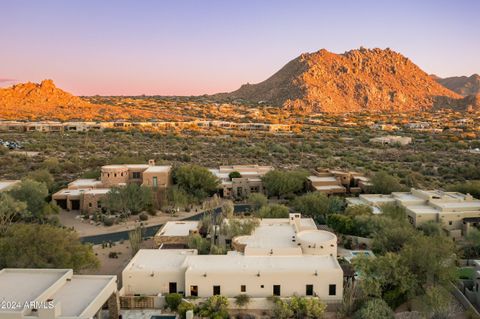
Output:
x=151 y=162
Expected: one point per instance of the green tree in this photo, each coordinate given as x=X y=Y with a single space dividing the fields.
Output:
x=196 y=180
x=281 y=309
x=307 y=307
x=430 y=260
x=128 y=200
x=385 y=277
x=383 y=183
x=317 y=205
x=215 y=307
x=42 y=176
x=177 y=197
x=52 y=164
x=298 y=307
x=10 y=210
x=281 y=183
x=233 y=175
x=173 y=300
x=273 y=211
x=394 y=211
x=196 y=241
x=228 y=209
x=437 y=302
x=358 y=210
x=184 y=307
x=257 y=200
x=391 y=235
x=469 y=187
x=32 y=193
x=432 y=229
x=44 y=246
x=242 y=300
x=375 y=309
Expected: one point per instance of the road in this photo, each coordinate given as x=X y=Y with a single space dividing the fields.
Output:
x=151 y=230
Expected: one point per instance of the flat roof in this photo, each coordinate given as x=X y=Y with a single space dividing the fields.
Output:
x=475 y=204
x=25 y=285
x=98 y=191
x=275 y=233
x=314 y=178
x=159 y=169
x=329 y=187
x=76 y=295
x=237 y=264
x=90 y=182
x=376 y=198
x=6 y=184
x=137 y=166
x=68 y=191
x=114 y=166
x=270 y=236
x=177 y=228
x=159 y=259
x=422 y=209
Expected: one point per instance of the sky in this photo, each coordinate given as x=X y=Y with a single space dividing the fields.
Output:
x=193 y=47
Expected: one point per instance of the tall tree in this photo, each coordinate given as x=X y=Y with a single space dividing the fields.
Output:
x=10 y=209
x=385 y=277
x=383 y=183
x=281 y=183
x=44 y=246
x=196 y=180
x=32 y=193
x=317 y=205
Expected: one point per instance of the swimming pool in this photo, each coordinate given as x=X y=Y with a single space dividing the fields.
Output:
x=163 y=317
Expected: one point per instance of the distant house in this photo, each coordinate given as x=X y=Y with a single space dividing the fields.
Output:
x=392 y=140
x=330 y=182
x=86 y=194
x=456 y=212
x=240 y=187
x=6 y=185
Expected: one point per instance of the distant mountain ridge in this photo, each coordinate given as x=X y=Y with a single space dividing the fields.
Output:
x=463 y=85
x=32 y=101
x=357 y=80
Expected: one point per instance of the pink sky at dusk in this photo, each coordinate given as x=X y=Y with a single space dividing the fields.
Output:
x=202 y=47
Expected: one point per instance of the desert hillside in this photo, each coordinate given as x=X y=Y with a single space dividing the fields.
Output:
x=32 y=101
x=357 y=80
x=463 y=85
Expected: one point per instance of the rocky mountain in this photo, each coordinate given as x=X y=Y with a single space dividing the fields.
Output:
x=44 y=101
x=357 y=80
x=463 y=85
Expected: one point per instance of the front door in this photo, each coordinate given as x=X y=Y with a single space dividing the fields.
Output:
x=276 y=290
x=172 y=287
x=194 y=291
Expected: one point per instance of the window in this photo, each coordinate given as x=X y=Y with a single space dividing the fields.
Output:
x=261 y=286
x=115 y=175
x=243 y=288
x=276 y=290
x=309 y=290
x=136 y=175
x=155 y=181
x=216 y=290
x=332 y=290
x=99 y=204
x=172 y=287
x=194 y=291
x=89 y=204
x=450 y=223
